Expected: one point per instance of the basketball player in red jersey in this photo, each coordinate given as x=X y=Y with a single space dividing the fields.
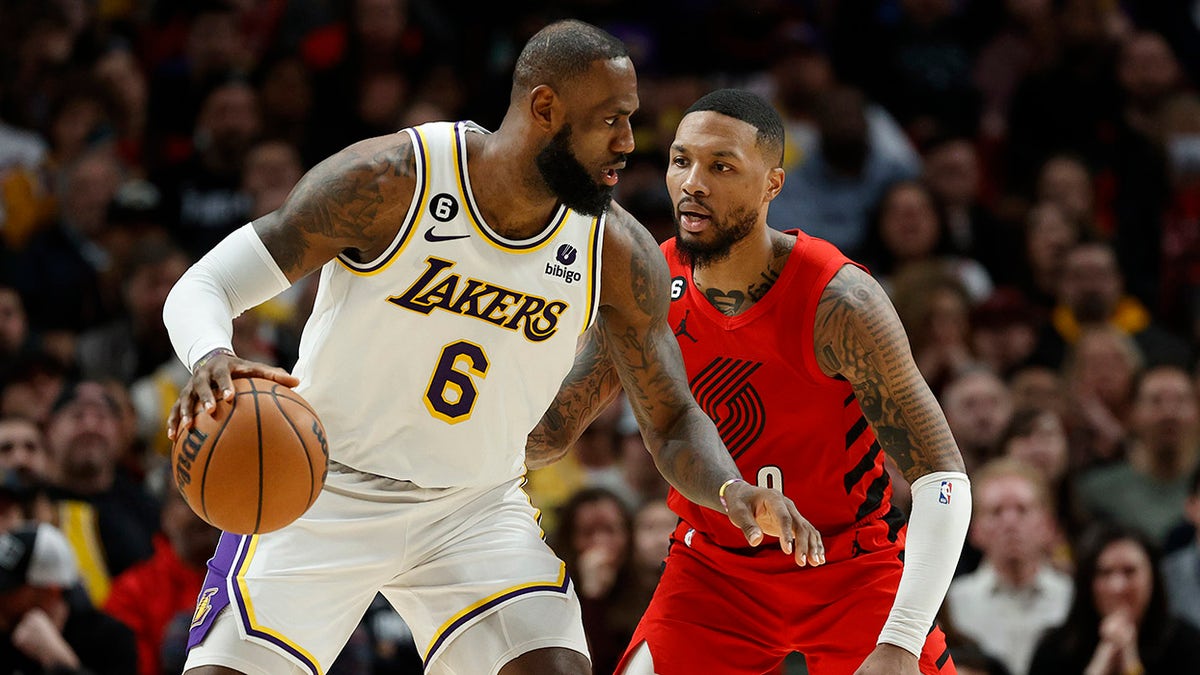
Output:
x=798 y=356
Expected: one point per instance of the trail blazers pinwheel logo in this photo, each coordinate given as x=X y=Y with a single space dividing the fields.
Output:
x=724 y=391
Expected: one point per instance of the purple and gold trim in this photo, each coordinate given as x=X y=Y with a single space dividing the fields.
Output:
x=240 y=595
x=420 y=197
x=447 y=630
x=511 y=245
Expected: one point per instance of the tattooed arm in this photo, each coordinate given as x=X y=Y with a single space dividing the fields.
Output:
x=353 y=201
x=684 y=442
x=586 y=392
x=859 y=336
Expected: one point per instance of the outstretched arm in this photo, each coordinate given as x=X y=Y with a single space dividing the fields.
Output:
x=858 y=336
x=353 y=201
x=684 y=442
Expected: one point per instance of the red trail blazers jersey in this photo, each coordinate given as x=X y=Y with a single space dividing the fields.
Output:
x=786 y=424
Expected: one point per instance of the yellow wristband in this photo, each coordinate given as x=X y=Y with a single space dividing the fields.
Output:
x=721 y=492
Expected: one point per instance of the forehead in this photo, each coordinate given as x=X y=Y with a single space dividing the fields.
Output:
x=710 y=132
x=17 y=427
x=609 y=86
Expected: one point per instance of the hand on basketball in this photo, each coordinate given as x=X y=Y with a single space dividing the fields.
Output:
x=888 y=659
x=759 y=510
x=215 y=373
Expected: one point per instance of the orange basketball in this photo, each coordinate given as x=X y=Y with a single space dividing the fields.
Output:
x=257 y=463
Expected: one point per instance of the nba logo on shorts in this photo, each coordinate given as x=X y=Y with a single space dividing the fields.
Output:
x=944 y=493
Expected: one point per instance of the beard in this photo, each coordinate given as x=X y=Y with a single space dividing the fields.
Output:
x=726 y=233
x=569 y=180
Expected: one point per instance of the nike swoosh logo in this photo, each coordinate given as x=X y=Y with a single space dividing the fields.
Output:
x=430 y=236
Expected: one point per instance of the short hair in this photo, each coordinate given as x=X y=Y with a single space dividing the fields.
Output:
x=751 y=109
x=1006 y=466
x=561 y=52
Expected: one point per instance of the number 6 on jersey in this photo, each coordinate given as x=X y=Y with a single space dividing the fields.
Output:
x=451 y=394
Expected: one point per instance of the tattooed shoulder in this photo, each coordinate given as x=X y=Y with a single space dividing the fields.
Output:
x=354 y=199
x=858 y=335
x=634 y=267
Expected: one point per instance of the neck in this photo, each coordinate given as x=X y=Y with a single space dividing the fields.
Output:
x=1017 y=572
x=752 y=267
x=514 y=203
x=1165 y=464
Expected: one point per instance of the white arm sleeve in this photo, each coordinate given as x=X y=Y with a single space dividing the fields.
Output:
x=941 y=514
x=237 y=274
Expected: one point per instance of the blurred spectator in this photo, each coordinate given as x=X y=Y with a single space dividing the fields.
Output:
x=595 y=540
x=197 y=43
x=40 y=631
x=1016 y=594
x=1025 y=42
x=120 y=73
x=32 y=385
x=1148 y=76
x=1003 y=330
x=79 y=119
x=147 y=595
x=1149 y=488
x=1100 y=372
x=953 y=170
x=1118 y=622
x=653 y=523
x=1065 y=181
x=15 y=336
x=203 y=193
x=367 y=65
x=109 y=518
x=935 y=309
x=1048 y=235
x=1181 y=568
x=58 y=273
x=1070 y=104
x=272 y=169
x=978 y=407
x=23 y=450
x=1035 y=386
x=134 y=345
x=907 y=228
x=285 y=93
x=969 y=659
x=1038 y=437
x=1091 y=292
x=852 y=164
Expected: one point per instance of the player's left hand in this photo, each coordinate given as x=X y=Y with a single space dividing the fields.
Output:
x=757 y=510
x=888 y=659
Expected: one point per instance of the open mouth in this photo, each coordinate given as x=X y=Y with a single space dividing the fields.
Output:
x=610 y=176
x=693 y=221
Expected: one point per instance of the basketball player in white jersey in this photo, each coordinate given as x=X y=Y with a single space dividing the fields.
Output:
x=459 y=270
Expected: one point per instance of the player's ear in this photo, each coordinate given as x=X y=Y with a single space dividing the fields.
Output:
x=775 y=178
x=545 y=108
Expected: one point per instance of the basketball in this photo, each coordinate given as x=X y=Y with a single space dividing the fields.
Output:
x=257 y=463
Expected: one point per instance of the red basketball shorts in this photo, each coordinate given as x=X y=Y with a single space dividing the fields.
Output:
x=741 y=612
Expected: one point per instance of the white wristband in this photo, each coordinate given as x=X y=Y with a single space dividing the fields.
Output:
x=941 y=514
x=237 y=274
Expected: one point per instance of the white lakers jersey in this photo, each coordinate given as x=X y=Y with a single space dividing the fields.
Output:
x=433 y=362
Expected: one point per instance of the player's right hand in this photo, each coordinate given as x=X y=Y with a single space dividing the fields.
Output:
x=214 y=373
x=756 y=510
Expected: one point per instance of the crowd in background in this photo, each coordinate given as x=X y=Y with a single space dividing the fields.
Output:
x=1022 y=176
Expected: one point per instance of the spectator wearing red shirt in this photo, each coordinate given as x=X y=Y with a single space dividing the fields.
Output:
x=148 y=595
